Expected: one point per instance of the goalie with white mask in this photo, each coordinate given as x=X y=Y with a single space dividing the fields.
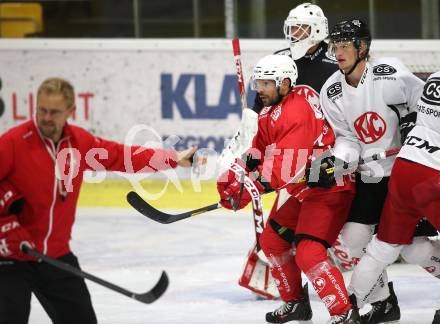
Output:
x=305 y=30
x=305 y=27
x=290 y=130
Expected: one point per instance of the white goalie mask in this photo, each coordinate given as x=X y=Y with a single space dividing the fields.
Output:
x=304 y=27
x=274 y=67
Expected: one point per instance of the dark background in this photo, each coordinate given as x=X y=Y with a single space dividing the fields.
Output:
x=394 y=19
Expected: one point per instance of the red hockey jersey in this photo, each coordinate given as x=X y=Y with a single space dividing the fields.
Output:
x=49 y=177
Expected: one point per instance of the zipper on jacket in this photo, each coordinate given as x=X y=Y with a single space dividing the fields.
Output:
x=53 y=151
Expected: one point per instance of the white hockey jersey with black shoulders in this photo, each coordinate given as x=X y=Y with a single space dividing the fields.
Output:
x=366 y=118
x=422 y=145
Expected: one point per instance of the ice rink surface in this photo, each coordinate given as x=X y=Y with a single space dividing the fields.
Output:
x=204 y=257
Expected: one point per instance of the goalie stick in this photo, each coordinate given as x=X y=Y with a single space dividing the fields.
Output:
x=238 y=66
x=241 y=88
x=147 y=298
x=149 y=211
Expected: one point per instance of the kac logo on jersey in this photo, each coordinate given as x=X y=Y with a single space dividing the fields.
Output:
x=431 y=92
x=384 y=69
x=334 y=89
x=370 y=127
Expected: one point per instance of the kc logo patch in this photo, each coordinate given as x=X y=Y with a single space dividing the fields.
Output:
x=370 y=127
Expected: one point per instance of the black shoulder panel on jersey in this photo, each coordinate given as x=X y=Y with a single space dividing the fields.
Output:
x=431 y=92
x=383 y=69
x=334 y=89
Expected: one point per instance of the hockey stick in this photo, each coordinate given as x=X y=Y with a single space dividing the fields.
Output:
x=241 y=88
x=146 y=209
x=146 y=298
x=238 y=66
x=149 y=211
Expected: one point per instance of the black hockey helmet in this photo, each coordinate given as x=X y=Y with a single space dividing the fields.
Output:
x=354 y=30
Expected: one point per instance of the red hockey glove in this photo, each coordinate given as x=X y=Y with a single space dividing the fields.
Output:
x=12 y=236
x=232 y=193
x=11 y=200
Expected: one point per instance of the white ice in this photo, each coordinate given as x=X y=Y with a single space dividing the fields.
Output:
x=203 y=257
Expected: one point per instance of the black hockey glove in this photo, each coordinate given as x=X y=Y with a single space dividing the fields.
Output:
x=406 y=124
x=322 y=171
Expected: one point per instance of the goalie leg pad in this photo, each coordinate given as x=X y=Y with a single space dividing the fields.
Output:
x=257 y=277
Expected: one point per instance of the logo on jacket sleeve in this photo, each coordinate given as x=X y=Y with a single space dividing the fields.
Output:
x=431 y=92
x=334 y=89
x=370 y=127
x=384 y=69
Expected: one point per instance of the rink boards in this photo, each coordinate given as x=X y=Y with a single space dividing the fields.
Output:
x=154 y=92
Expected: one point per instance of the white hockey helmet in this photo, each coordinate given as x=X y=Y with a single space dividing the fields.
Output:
x=275 y=67
x=302 y=17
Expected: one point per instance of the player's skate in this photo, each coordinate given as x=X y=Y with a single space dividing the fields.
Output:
x=385 y=311
x=436 y=319
x=295 y=310
x=350 y=317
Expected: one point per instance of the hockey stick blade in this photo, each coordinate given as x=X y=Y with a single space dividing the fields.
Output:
x=147 y=298
x=156 y=292
x=149 y=211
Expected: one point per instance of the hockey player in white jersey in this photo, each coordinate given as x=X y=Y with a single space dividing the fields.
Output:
x=414 y=190
x=368 y=103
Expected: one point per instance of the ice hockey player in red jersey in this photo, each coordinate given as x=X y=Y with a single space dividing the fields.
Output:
x=291 y=129
x=305 y=30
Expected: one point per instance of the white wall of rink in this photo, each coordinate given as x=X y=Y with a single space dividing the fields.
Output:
x=174 y=87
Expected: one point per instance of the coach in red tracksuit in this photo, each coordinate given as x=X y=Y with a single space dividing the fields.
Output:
x=41 y=170
x=292 y=128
